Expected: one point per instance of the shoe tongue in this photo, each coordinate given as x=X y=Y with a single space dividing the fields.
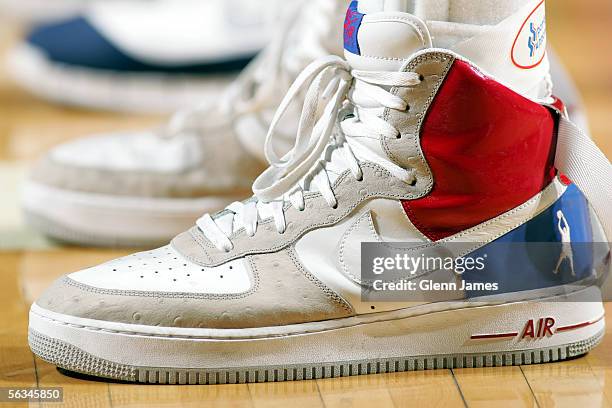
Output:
x=382 y=34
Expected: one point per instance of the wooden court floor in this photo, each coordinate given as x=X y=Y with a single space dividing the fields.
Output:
x=581 y=32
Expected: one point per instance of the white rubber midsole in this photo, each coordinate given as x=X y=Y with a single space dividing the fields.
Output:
x=41 y=10
x=482 y=329
x=143 y=93
x=117 y=217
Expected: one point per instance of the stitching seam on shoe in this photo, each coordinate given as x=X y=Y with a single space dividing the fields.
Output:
x=167 y=295
x=326 y=290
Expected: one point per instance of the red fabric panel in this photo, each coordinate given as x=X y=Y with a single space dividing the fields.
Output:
x=489 y=148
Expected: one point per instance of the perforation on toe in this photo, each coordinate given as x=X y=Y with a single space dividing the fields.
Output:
x=166 y=270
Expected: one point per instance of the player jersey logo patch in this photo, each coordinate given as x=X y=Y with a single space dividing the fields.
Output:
x=529 y=48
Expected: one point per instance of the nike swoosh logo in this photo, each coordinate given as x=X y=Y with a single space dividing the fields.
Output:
x=363 y=230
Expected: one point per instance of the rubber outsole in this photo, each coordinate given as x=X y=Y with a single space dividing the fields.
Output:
x=71 y=358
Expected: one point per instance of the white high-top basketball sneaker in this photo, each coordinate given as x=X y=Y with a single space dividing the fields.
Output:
x=143 y=188
x=437 y=132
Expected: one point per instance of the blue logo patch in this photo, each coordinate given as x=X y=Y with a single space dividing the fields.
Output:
x=554 y=248
x=538 y=35
x=351 y=28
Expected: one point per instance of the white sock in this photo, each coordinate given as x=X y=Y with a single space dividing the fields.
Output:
x=505 y=38
x=479 y=12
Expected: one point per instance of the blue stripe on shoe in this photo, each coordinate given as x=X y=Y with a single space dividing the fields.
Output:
x=76 y=42
x=534 y=256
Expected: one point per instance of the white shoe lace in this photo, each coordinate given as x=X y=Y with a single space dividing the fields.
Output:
x=300 y=40
x=341 y=107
